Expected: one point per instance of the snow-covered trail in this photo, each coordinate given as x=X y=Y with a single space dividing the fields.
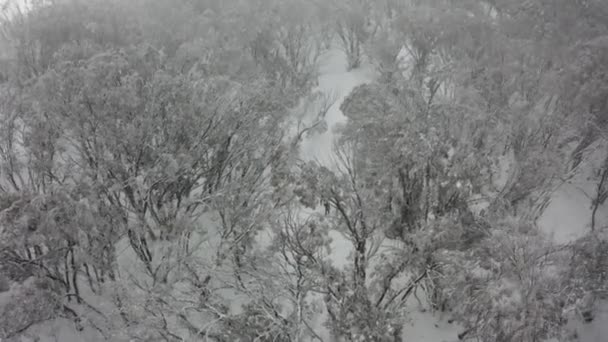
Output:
x=336 y=82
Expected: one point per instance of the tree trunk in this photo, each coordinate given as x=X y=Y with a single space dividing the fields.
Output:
x=66 y=270
x=75 y=276
x=600 y=197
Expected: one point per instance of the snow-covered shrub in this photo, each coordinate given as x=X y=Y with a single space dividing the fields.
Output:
x=585 y=275
x=260 y=321
x=33 y=302
x=504 y=288
x=355 y=318
x=285 y=45
x=352 y=26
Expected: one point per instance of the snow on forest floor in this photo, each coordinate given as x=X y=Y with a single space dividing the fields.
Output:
x=568 y=216
x=424 y=327
x=335 y=80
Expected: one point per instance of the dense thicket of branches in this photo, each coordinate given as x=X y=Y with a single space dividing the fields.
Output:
x=151 y=186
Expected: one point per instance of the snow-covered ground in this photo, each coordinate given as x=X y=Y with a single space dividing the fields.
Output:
x=336 y=82
x=568 y=216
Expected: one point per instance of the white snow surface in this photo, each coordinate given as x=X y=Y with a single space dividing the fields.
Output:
x=336 y=82
x=568 y=216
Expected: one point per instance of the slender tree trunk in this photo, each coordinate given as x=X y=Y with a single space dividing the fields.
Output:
x=75 y=276
x=66 y=270
x=89 y=277
x=600 y=196
x=98 y=275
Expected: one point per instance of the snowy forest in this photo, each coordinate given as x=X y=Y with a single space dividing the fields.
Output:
x=304 y=170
